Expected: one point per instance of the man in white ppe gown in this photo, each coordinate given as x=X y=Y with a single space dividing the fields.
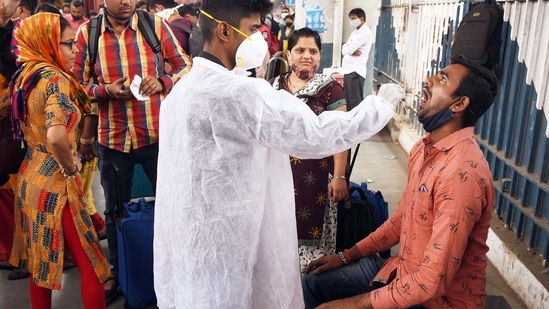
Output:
x=225 y=228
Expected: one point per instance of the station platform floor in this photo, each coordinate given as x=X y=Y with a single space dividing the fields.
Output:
x=380 y=162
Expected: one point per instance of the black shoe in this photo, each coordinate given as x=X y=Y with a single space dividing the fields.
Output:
x=18 y=273
x=111 y=295
x=4 y=265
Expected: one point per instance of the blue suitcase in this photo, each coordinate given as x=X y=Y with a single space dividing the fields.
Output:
x=134 y=229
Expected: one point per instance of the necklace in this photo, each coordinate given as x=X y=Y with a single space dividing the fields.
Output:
x=295 y=89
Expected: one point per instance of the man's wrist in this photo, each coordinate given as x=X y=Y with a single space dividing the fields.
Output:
x=162 y=84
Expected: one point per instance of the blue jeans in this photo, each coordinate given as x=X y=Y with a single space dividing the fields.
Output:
x=146 y=156
x=346 y=281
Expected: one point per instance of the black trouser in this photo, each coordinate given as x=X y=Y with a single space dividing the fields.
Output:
x=353 y=85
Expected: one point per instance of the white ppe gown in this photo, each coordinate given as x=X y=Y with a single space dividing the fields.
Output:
x=225 y=230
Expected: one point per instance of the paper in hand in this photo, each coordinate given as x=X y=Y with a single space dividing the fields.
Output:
x=134 y=87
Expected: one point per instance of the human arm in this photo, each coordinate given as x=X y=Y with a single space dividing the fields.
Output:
x=59 y=119
x=61 y=149
x=361 y=301
x=88 y=135
x=338 y=187
x=447 y=252
x=172 y=52
x=355 y=42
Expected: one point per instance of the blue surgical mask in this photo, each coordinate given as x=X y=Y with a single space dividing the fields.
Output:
x=435 y=121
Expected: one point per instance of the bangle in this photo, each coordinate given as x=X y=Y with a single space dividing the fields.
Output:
x=342 y=256
x=107 y=91
x=70 y=174
x=339 y=177
x=347 y=255
x=162 y=84
x=87 y=141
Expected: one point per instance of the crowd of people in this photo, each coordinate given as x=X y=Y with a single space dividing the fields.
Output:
x=248 y=173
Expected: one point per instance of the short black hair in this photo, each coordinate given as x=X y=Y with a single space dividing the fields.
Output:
x=230 y=11
x=7 y=58
x=187 y=9
x=29 y=5
x=304 y=33
x=45 y=7
x=77 y=3
x=480 y=85
x=358 y=12
x=168 y=4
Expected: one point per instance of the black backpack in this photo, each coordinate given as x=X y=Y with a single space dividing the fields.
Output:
x=146 y=27
x=275 y=27
x=478 y=36
x=196 y=44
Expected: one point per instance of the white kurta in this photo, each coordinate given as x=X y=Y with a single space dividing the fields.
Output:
x=225 y=228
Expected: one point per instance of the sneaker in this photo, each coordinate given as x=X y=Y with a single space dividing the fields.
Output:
x=18 y=273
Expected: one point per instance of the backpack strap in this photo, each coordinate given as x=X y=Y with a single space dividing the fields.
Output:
x=93 y=42
x=146 y=27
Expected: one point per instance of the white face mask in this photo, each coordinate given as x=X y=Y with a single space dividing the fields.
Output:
x=251 y=52
x=354 y=23
x=283 y=15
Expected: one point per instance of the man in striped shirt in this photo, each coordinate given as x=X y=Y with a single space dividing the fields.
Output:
x=127 y=128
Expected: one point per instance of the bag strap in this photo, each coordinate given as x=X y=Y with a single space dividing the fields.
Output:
x=353 y=160
x=146 y=27
x=93 y=42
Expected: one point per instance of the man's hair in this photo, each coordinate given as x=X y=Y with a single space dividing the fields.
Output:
x=167 y=4
x=480 y=85
x=45 y=7
x=64 y=5
x=230 y=11
x=77 y=3
x=187 y=9
x=304 y=33
x=358 y=12
x=7 y=58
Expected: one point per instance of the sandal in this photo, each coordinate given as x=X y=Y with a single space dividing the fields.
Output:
x=5 y=265
x=111 y=295
x=18 y=273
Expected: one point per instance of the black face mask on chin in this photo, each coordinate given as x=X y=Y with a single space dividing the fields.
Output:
x=435 y=121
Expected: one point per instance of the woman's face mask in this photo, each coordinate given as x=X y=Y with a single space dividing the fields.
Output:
x=251 y=52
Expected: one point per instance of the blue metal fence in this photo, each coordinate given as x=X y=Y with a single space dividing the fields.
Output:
x=512 y=132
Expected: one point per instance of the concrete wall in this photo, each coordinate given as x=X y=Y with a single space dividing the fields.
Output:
x=334 y=27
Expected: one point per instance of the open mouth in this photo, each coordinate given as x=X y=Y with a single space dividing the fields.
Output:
x=426 y=97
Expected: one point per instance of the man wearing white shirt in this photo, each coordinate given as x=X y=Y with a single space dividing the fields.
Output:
x=355 y=55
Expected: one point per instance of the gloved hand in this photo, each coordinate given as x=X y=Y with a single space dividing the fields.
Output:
x=391 y=94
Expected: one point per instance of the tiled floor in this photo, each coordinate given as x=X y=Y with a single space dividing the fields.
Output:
x=380 y=162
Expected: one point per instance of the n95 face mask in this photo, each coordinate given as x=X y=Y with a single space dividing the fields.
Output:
x=251 y=52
